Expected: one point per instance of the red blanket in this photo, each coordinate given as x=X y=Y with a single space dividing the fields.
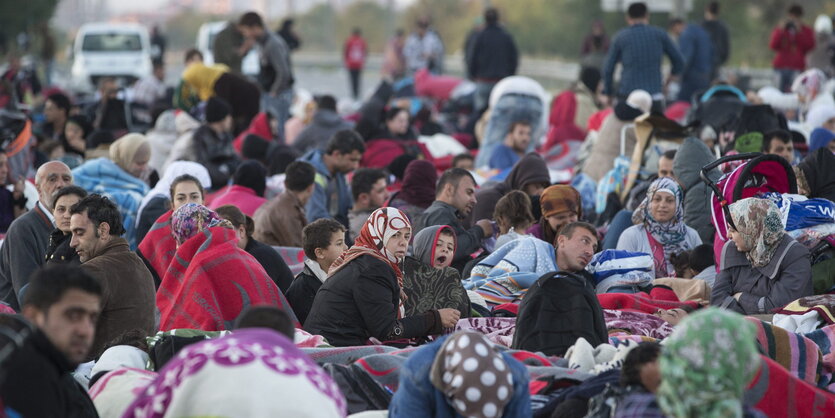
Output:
x=777 y=393
x=658 y=298
x=158 y=246
x=210 y=281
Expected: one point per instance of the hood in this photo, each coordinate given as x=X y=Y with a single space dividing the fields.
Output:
x=327 y=118
x=425 y=240
x=166 y=122
x=690 y=158
x=530 y=169
x=563 y=109
x=185 y=123
x=260 y=126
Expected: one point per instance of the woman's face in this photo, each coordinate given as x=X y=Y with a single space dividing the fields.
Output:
x=558 y=220
x=671 y=316
x=444 y=251
x=399 y=124
x=398 y=243
x=663 y=206
x=139 y=165
x=186 y=192
x=75 y=136
x=62 y=211
x=739 y=240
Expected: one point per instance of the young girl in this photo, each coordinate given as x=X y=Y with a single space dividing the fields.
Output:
x=428 y=280
x=512 y=214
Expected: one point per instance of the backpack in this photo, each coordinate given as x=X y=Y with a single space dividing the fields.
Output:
x=557 y=310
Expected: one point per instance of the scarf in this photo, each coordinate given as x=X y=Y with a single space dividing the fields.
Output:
x=669 y=234
x=425 y=241
x=125 y=150
x=419 y=184
x=557 y=199
x=472 y=375
x=760 y=224
x=192 y=218
x=202 y=78
x=706 y=364
x=174 y=170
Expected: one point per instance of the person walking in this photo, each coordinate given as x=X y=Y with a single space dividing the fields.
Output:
x=492 y=57
x=791 y=41
x=355 y=52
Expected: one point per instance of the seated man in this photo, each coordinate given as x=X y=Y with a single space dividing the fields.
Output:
x=779 y=142
x=280 y=221
x=63 y=303
x=368 y=188
x=515 y=144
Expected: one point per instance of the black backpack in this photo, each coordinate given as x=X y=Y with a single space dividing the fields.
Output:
x=557 y=310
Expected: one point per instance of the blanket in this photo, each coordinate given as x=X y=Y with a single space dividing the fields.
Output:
x=824 y=305
x=686 y=289
x=658 y=298
x=777 y=393
x=103 y=176
x=524 y=255
x=637 y=323
x=505 y=288
x=158 y=246
x=498 y=330
x=210 y=281
x=798 y=354
x=428 y=288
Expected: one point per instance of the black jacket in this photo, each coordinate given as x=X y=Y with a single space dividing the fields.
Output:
x=493 y=55
x=155 y=208
x=275 y=266
x=59 y=250
x=216 y=154
x=39 y=383
x=301 y=293
x=469 y=240
x=361 y=301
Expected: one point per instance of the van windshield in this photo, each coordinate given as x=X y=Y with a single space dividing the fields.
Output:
x=111 y=42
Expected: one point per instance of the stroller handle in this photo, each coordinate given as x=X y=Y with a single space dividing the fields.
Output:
x=718 y=193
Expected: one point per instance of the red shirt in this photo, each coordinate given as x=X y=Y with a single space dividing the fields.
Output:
x=791 y=47
x=355 y=52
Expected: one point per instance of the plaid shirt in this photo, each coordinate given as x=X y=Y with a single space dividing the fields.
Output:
x=640 y=48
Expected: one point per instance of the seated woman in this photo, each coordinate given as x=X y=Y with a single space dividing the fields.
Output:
x=59 y=250
x=435 y=382
x=158 y=247
x=660 y=230
x=362 y=299
x=561 y=205
x=159 y=200
x=215 y=280
x=512 y=215
x=762 y=268
x=428 y=280
x=417 y=191
x=397 y=125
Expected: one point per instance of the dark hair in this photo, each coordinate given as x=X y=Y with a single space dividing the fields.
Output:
x=517 y=123
x=50 y=145
x=364 y=180
x=452 y=176
x=645 y=352
x=270 y=317
x=491 y=16
x=191 y=53
x=251 y=19
x=251 y=174
x=515 y=207
x=393 y=111
x=781 y=134
x=637 y=10
x=356 y=31
x=568 y=230
x=461 y=157
x=100 y=209
x=680 y=262
x=184 y=179
x=317 y=234
x=675 y=21
x=326 y=101
x=68 y=190
x=713 y=8
x=234 y=215
x=299 y=175
x=345 y=141
x=158 y=64
x=669 y=154
x=796 y=10
x=702 y=257
x=82 y=123
x=61 y=101
x=48 y=285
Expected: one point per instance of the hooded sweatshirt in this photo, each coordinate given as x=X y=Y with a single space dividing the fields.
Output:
x=324 y=124
x=688 y=163
x=530 y=169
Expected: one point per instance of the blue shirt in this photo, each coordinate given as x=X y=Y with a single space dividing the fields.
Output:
x=696 y=49
x=503 y=157
x=640 y=49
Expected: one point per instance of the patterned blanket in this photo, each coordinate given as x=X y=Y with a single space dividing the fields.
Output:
x=824 y=305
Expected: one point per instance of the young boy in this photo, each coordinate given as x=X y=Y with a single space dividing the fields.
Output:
x=324 y=242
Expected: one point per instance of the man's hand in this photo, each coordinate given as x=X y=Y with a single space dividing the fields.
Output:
x=449 y=317
x=486 y=226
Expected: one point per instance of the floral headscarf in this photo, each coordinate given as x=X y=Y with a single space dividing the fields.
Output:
x=191 y=218
x=761 y=226
x=669 y=234
x=706 y=364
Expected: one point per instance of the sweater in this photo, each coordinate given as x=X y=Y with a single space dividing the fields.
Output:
x=22 y=252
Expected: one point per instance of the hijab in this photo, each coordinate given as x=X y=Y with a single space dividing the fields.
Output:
x=426 y=240
x=557 y=199
x=706 y=364
x=174 y=170
x=473 y=376
x=191 y=218
x=125 y=150
x=419 y=184
x=380 y=226
x=669 y=234
x=760 y=223
x=253 y=175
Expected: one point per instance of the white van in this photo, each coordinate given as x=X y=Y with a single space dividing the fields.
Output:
x=250 y=65
x=121 y=50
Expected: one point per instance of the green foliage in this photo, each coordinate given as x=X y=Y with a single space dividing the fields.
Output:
x=182 y=29
x=22 y=16
x=369 y=18
x=317 y=29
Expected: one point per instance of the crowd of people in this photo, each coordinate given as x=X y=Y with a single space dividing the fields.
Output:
x=641 y=245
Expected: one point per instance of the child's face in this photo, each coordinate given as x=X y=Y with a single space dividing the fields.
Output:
x=333 y=251
x=444 y=251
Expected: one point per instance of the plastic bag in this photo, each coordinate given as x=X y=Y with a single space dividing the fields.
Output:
x=799 y=212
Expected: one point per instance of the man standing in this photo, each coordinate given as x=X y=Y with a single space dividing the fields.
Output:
x=513 y=148
x=331 y=196
x=640 y=48
x=491 y=57
x=368 y=188
x=424 y=49
x=151 y=89
x=719 y=36
x=230 y=47
x=792 y=40
x=454 y=200
x=128 y=293
x=354 y=53
x=63 y=303
x=24 y=248
x=697 y=50
x=276 y=76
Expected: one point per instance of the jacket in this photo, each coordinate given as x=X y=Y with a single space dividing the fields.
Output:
x=791 y=47
x=225 y=47
x=39 y=382
x=329 y=187
x=276 y=73
x=687 y=166
x=354 y=52
x=324 y=124
x=361 y=301
x=128 y=293
x=440 y=213
x=59 y=250
x=788 y=276
x=718 y=32
x=271 y=261
x=303 y=290
x=25 y=243
x=416 y=396
x=493 y=55
x=280 y=221
x=241 y=196
x=696 y=49
x=215 y=152
x=530 y=169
